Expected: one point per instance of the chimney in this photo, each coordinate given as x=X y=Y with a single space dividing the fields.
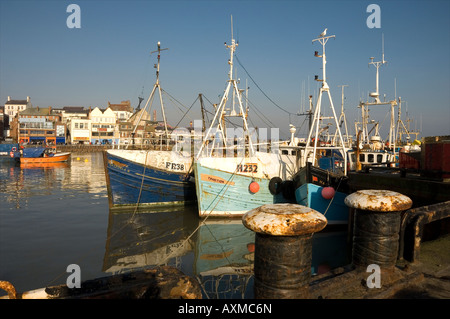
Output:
x=49 y=110
x=9 y=98
x=154 y=115
x=28 y=99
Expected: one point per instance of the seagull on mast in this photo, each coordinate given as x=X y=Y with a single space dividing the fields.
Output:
x=323 y=33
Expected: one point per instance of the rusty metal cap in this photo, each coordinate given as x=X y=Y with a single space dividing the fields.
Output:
x=378 y=200
x=284 y=220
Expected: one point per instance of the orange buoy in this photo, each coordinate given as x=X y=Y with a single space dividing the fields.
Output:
x=254 y=187
x=328 y=192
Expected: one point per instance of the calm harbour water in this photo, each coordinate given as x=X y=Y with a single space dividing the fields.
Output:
x=51 y=217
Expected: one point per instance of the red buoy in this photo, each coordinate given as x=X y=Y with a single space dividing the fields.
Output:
x=254 y=187
x=328 y=192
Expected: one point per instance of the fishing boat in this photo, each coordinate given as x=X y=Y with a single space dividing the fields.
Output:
x=7 y=151
x=423 y=174
x=371 y=150
x=42 y=155
x=372 y=154
x=149 y=177
x=231 y=175
x=241 y=183
x=320 y=183
x=323 y=191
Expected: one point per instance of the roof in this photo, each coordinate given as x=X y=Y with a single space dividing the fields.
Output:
x=42 y=111
x=118 y=107
x=16 y=102
x=74 y=109
x=123 y=106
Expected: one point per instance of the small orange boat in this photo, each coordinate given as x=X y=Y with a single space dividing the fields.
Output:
x=44 y=155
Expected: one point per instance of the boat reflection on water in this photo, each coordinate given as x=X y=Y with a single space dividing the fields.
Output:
x=224 y=254
x=145 y=238
x=44 y=165
x=218 y=252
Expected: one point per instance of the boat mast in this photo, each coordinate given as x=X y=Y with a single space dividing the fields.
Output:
x=322 y=39
x=401 y=128
x=342 y=119
x=150 y=98
x=221 y=113
x=377 y=101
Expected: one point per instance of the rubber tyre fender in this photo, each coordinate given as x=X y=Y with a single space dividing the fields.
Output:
x=275 y=185
x=287 y=187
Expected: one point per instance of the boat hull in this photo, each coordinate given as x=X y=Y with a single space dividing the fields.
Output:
x=334 y=209
x=225 y=193
x=130 y=183
x=309 y=182
x=56 y=158
x=9 y=152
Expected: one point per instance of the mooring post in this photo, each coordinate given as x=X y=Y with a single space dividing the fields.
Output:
x=376 y=227
x=283 y=248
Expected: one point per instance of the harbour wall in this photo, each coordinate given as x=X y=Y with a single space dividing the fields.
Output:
x=83 y=148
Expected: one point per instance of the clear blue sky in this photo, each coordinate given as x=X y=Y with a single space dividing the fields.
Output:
x=108 y=58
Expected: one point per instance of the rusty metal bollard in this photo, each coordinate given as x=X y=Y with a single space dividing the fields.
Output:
x=376 y=226
x=283 y=247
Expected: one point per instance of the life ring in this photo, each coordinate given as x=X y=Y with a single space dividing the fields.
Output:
x=14 y=149
x=275 y=185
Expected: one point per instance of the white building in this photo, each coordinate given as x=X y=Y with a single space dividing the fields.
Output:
x=70 y=112
x=80 y=131
x=103 y=126
x=12 y=107
x=123 y=110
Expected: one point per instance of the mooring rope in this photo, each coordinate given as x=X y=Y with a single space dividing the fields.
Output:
x=203 y=221
x=120 y=229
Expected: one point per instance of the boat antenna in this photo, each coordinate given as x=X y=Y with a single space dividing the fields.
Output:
x=376 y=94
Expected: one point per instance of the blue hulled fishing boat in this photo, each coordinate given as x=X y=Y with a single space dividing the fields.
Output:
x=8 y=151
x=148 y=178
x=320 y=183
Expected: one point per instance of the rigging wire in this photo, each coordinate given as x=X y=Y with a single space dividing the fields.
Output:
x=186 y=113
x=284 y=110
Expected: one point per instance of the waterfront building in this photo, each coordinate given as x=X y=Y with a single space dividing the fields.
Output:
x=103 y=126
x=73 y=112
x=123 y=110
x=12 y=107
x=38 y=125
x=80 y=130
x=4 y=123
x=141 y=124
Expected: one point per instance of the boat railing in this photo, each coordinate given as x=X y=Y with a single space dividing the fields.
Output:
x=153 y=143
